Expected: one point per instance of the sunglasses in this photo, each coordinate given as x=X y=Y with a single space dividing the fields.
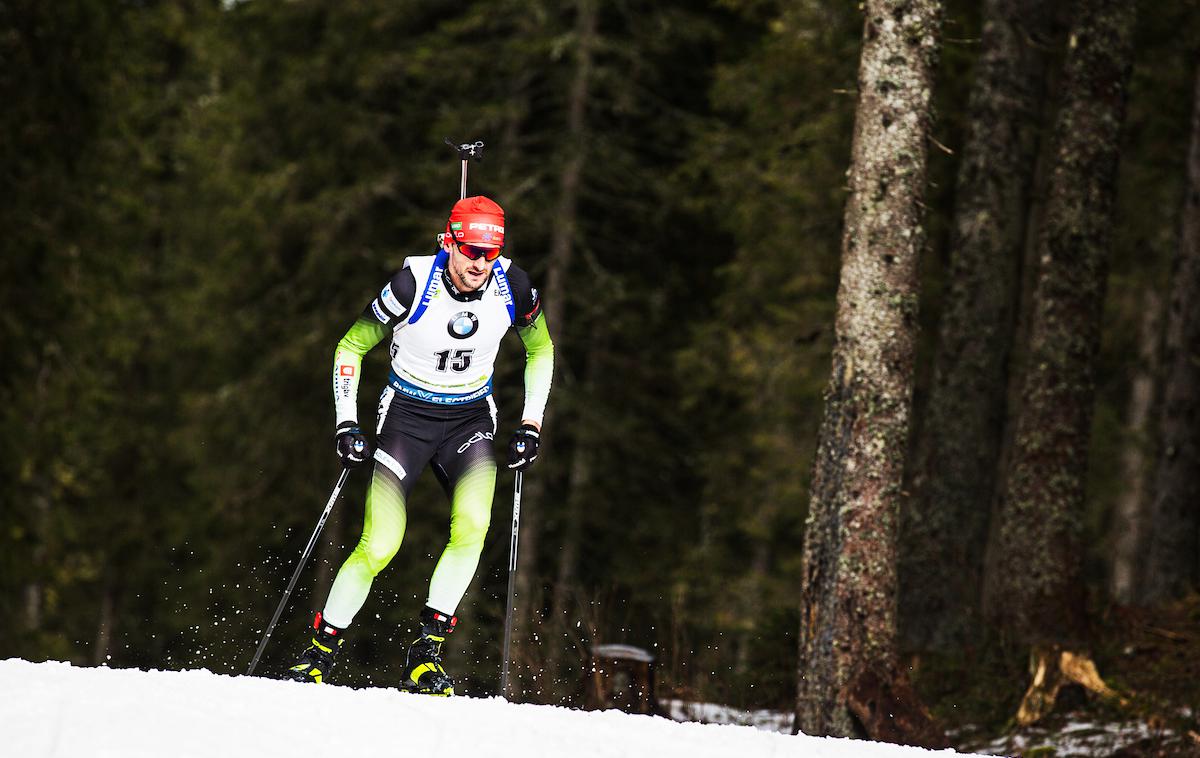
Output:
x=475 y=252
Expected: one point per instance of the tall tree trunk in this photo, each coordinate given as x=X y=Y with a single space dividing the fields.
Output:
x=104 y=624
x=1131 y=509
x=565 y=594
x=848 y=605
x=35 y=591
x=1033 y=592
x=562 y=244
x=563 y=235
x=568 y=557
x=1019 y=354
x=517 y=108
x=1173 y=563
x=752 y=597
x=945 y=527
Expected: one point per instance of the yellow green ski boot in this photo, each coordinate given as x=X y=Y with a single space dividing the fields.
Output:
x=317 y=659
x=423 y=672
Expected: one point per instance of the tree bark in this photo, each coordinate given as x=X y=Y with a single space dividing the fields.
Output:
x=104 y=624
x=1132 y=507
x=945 y=526
x=562 y=244
x=1173 y=562
x=35 y=589
x=848 y=603
x=1033 y=593
x=565 y=593
x=562 y=239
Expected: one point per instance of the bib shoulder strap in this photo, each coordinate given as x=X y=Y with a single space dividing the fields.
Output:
x=505 y=290
x=433 y=283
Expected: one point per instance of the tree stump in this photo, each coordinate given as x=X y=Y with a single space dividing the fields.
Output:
x=620 y=677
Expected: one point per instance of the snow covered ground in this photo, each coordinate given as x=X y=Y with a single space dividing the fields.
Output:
x=55 y=710
x=715 y=713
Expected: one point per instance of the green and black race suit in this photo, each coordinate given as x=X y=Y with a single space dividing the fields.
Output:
x=444 y=342
x=437 y=409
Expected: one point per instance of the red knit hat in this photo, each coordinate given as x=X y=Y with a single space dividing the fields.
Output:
x=477 y=221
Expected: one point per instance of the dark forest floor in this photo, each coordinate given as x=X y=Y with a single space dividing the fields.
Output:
x=1150 y=656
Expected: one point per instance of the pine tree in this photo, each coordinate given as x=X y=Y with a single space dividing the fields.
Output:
x=767 y=172
x=1173 y=560
x=1033 y=587
x=848 y=666
x=945 y=522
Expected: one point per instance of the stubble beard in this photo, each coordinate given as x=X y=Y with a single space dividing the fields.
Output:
x=461 y=280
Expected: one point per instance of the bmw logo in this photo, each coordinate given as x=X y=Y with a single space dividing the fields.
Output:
x=463 y=325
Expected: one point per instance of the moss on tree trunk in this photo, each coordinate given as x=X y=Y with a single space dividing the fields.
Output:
x=848 y=607
x=944 y=526
x=1131 y=510
x=1033 y=592
x=1173 y=562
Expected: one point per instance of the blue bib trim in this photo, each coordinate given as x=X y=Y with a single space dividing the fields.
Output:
x=437 y=398
x=431 y=286
x=505 y=291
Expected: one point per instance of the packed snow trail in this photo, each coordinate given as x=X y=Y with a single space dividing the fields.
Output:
x=55 y=710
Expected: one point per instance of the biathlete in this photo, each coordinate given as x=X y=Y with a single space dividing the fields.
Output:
x=446 y=314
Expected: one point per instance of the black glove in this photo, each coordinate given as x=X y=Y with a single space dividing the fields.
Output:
x=352 y=446
x=523 y=449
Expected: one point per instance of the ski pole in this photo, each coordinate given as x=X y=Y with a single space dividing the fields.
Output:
x=337 y=490
x=512 y=582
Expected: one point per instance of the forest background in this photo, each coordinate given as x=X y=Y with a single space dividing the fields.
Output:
x=200 y=197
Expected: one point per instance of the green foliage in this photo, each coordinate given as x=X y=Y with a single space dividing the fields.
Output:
x=199 y=197
x=1150 y=192
x=774 y=155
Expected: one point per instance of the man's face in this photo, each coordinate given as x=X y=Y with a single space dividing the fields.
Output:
x=468 y=275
